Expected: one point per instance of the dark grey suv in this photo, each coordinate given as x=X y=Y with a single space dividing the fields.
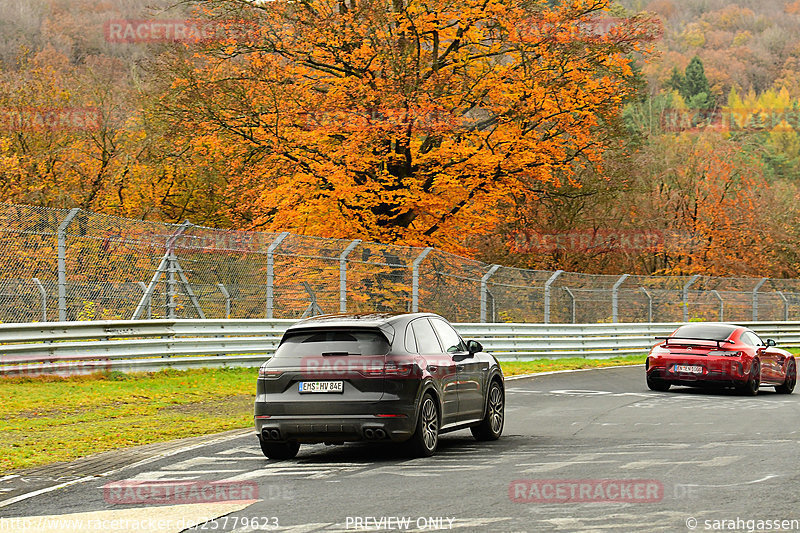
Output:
x=376 y=377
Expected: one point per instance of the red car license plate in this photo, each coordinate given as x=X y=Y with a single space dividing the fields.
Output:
x=688 y=369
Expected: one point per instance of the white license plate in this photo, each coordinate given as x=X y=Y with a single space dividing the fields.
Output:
x=689 y=369
x=322 y=386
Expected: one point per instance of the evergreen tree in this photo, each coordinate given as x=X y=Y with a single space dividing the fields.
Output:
x=675 y=81
x=695 y=89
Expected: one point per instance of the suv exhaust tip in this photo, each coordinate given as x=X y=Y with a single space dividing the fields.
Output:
x=271 y=434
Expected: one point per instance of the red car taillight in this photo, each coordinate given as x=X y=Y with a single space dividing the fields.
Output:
x=269 y=374
x=726 y=353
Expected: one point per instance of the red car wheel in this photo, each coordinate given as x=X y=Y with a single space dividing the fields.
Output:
x=789 y=382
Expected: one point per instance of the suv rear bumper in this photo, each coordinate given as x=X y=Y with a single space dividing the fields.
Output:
x=334 y=428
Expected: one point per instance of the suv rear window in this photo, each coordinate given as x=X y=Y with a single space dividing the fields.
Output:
x=334 y=342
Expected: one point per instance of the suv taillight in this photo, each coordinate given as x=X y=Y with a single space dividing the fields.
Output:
x=390 y=369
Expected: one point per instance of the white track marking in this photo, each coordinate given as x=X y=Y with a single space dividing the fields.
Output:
x=160 y=519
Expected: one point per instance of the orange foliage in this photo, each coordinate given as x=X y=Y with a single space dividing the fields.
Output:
x=714 y=205
x=414 y=124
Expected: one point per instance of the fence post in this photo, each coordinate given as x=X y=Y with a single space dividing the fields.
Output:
x=484 y=290
x=61 y=237
x=227 y=296
x=43 y=294
x=785 y=306
x=415 y=279
x=313 y=308
x=615 y=297
x=271 y=271
x=649 y=304
x=686 y=296
x=494 y=305
x=171 y=290
x=172 y=269
x=343 y=275
x=547 y=294
x=721 y=305
x=149 y=300
x=572 y=297
x=755 y=297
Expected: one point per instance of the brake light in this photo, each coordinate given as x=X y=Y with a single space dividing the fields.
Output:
x=389 y=369
x=725 y=353
x=269 y=374
x=393 y=369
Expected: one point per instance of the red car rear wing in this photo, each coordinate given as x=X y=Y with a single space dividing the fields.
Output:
x=719 y=342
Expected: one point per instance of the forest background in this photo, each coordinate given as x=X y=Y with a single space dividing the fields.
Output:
x=657 y=137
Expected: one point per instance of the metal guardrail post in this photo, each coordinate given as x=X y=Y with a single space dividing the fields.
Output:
x=227 y=296
x=649 y=304
x=721 y=305
x=755 y=297
x=484 y=290
x=43 y=294
x=61 y=237
x=615 y=297
x=343 y=275
x=572 y=305
x=415 y=279
x=271 y=271
x=686 y=296
x=547 y=285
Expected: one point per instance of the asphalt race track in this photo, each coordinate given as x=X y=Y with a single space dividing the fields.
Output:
x=581 y=451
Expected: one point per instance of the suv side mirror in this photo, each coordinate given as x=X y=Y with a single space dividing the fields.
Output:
x=474 y=347
x=771 y=342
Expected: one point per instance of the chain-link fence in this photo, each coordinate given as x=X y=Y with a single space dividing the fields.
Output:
x=77 y=265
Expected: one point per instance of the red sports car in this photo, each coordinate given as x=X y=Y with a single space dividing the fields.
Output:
x=722 y=355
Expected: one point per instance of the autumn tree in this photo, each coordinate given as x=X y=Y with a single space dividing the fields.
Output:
x=404 y=122
x=712 y=199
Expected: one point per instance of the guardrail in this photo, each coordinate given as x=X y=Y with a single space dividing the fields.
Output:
x=149 y=345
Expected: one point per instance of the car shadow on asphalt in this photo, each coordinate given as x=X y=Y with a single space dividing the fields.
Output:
x=720 y=391
x=461 y=444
